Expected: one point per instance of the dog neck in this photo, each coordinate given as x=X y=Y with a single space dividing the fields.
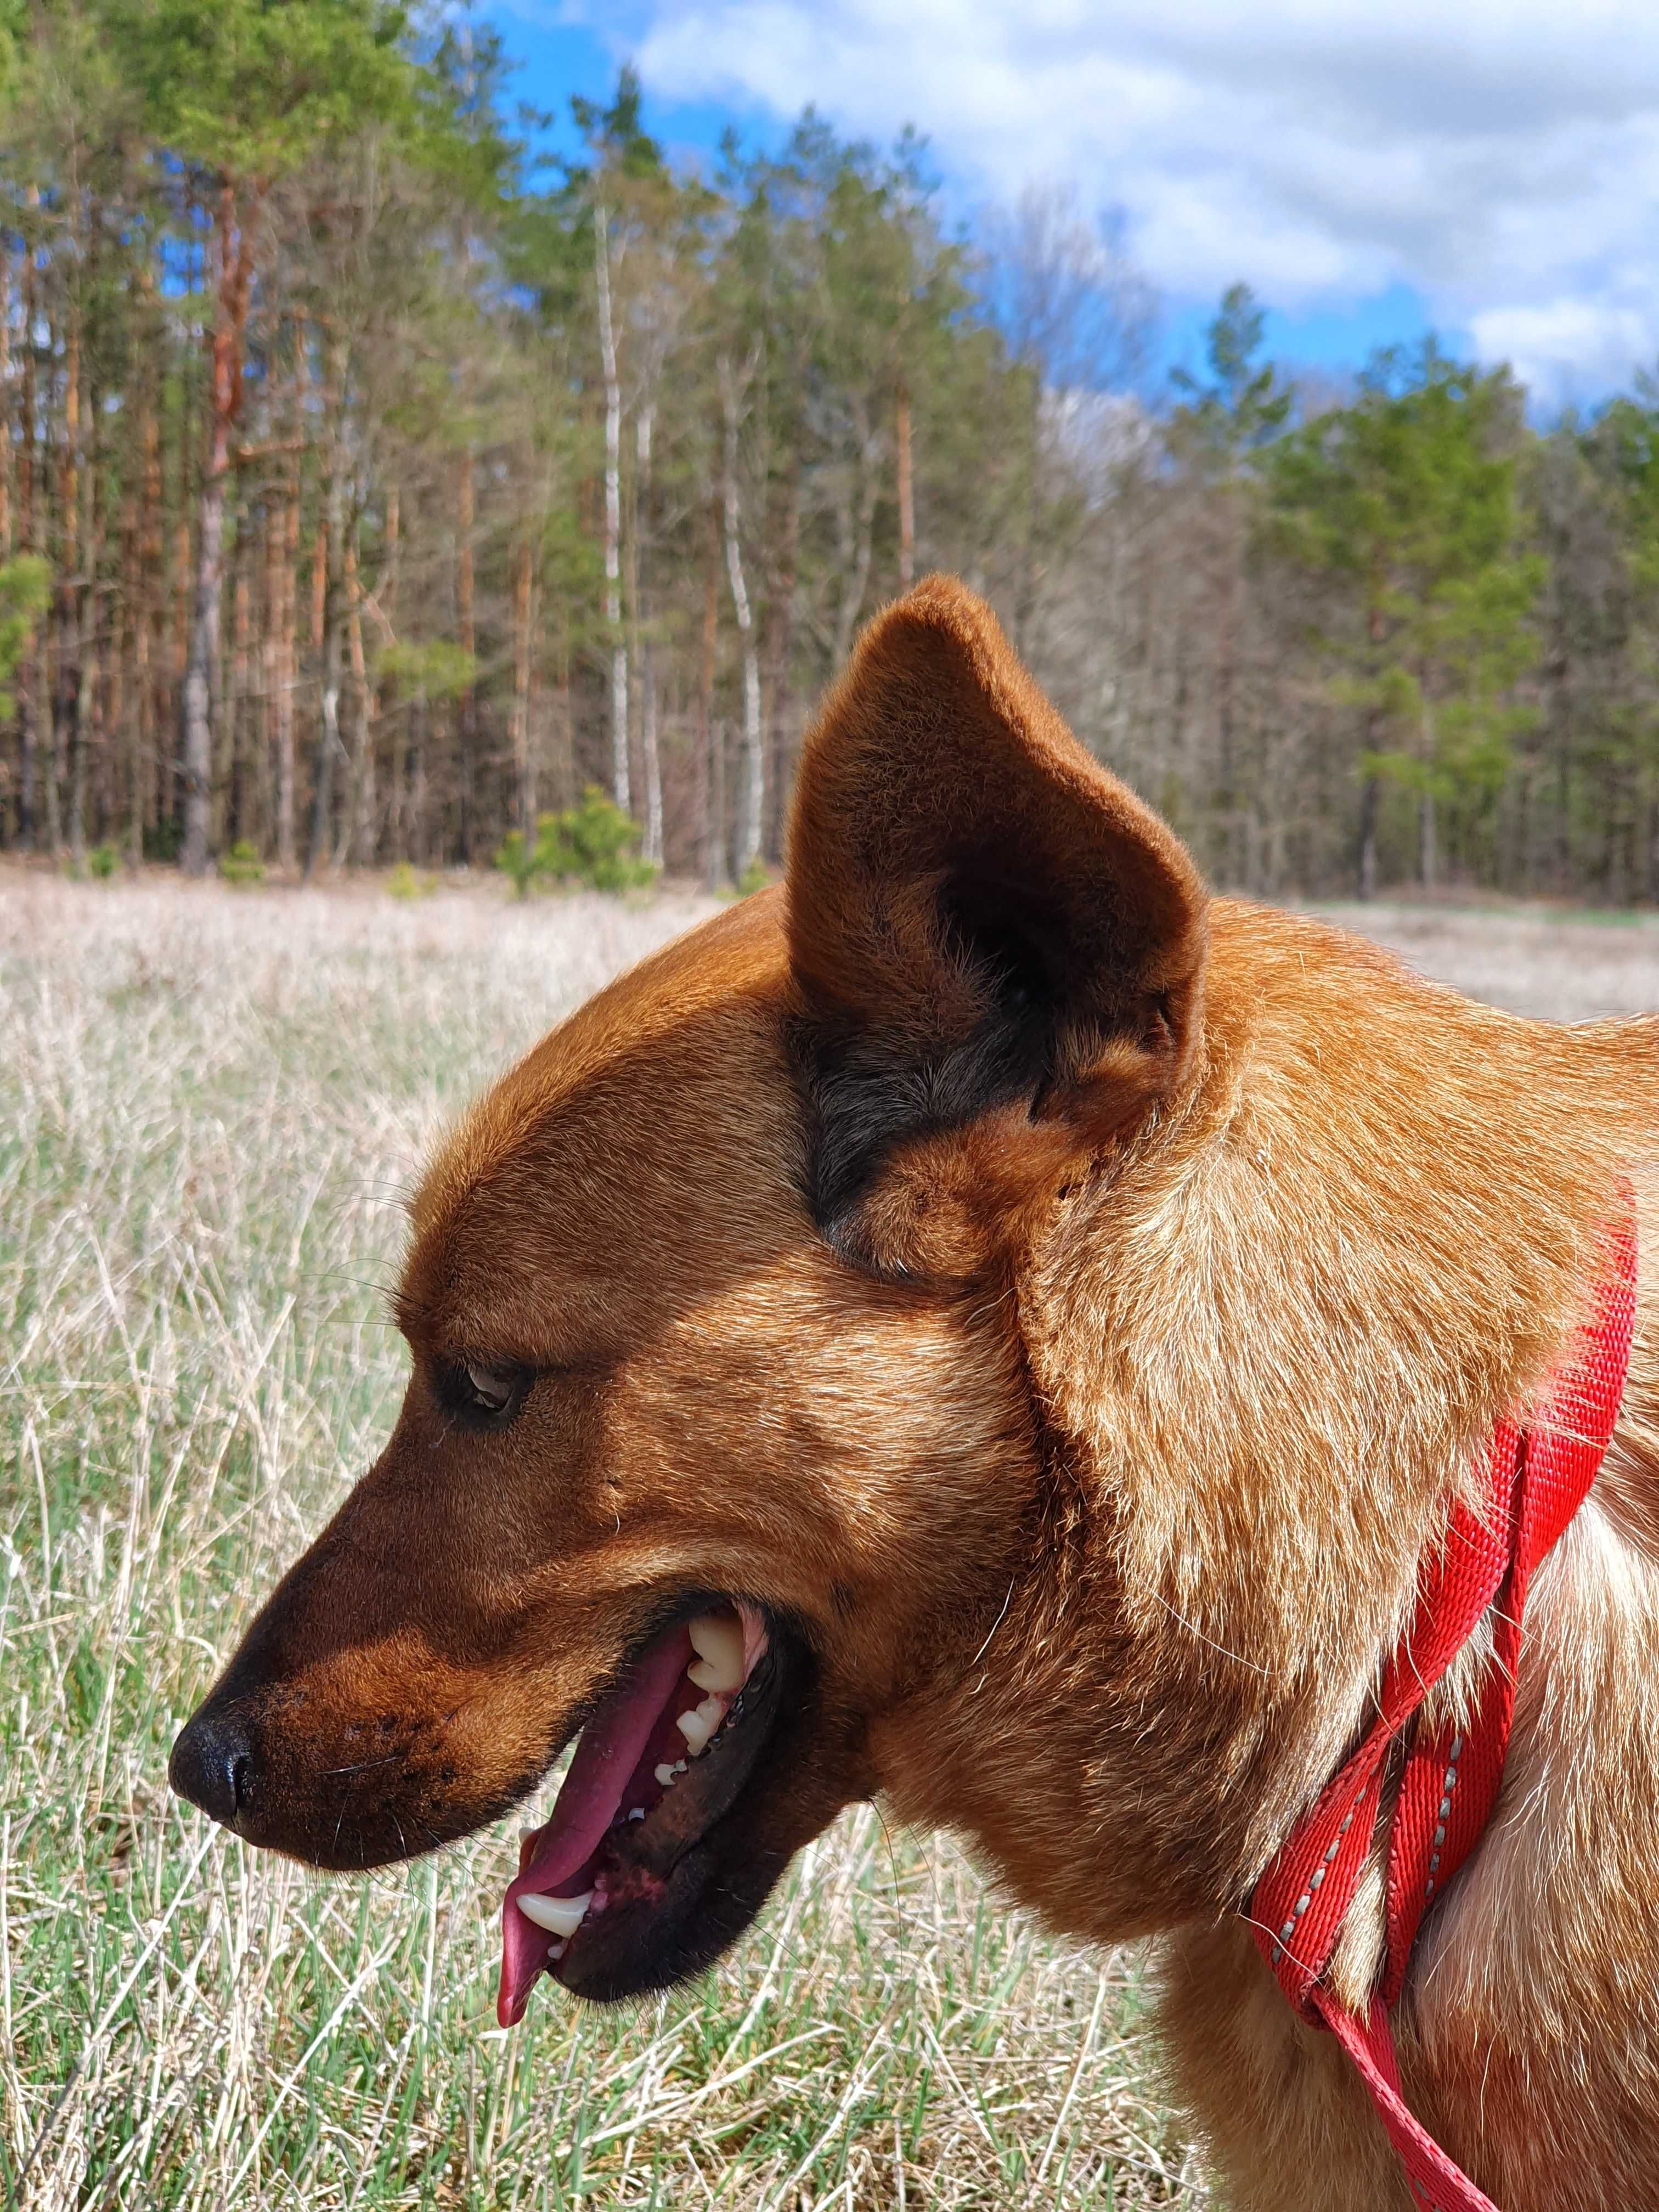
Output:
x=1264 y=1348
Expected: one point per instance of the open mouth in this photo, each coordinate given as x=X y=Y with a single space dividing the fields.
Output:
x=662 y=1759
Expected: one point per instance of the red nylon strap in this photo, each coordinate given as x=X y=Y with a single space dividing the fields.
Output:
x=1534 y=1481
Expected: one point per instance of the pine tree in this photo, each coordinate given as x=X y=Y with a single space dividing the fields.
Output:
x=1409 y=496
x=246 y=93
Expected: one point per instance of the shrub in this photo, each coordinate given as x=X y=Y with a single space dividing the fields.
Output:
x=520 y=863
x=597 y=846
x=102 y=861
x=242 y=863
x=404 y=882
x=25 y=589
x=755 y=878
x=594 y=844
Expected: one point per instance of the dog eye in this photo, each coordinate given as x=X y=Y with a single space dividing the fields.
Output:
x=481 y=1392
x=493 y=1388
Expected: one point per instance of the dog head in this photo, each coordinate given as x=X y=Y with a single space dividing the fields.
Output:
x=719 y=1444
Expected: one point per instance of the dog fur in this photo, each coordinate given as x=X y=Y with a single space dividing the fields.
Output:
x=1072 y=1302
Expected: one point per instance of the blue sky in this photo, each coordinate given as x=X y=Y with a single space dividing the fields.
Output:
x=1490 y=172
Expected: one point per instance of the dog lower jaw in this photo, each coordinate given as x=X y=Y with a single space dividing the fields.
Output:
x=711 y=1898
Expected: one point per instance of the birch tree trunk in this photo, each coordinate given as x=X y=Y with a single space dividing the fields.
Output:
x=129 y=655
x=234 y=238
x=419 y=721
x=66 y=685
x=857 y=532
x=85 y=729
x=1370 y=790
x=286 y=556
x=357 y=829
x=619 y=776
x=754 y=794
x=150 y=624
x=711 y=782
x=466 y=709
x=564 y=719
x=650 y=751
x=781 y=610
x=522 y=764
x=28 y=693
x=333 y=629
x=907 y=511
x=279 y=699
x=142 y=568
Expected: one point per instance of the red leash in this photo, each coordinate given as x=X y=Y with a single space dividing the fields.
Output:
x=1536 y=1477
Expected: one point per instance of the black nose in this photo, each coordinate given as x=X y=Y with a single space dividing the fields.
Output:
x=210 y=1762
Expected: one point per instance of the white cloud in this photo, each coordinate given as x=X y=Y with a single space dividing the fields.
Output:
x=1574 y=349
x=1502 y=156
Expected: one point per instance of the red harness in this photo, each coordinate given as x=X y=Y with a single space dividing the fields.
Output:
x=1536 y=1477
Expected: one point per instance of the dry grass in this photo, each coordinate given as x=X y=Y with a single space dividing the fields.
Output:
x=1564 y=967
x=212 y=1103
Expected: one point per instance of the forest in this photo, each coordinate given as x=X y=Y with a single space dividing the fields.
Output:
x=374 y=484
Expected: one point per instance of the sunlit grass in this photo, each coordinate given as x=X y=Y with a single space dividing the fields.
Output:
x=210 y=1105
x=1567 y=965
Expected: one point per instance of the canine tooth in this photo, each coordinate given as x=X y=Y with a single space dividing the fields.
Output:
x=638 y=1813
x=718 y=1642
x=678 y=1767
x=560 y=1916
x=666 y=1775
x=557 y=1950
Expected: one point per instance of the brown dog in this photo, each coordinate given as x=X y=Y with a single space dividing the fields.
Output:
x=1010 y=1327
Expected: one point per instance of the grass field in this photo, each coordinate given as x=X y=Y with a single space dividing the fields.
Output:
x=210 y=1105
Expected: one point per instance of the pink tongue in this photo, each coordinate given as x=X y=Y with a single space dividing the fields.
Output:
x=606 y=1755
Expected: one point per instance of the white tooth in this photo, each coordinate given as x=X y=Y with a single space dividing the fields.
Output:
x=556 y=1950
x=718 y=1641
x=666 y=1776
x=638 y=1813
x=560 y=1916
x=678 y=1767
x=696 y=1728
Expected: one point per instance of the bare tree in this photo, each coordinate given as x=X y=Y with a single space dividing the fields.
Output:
x=1077 y=316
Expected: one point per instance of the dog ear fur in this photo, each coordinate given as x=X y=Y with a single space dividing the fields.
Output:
x=998 y=949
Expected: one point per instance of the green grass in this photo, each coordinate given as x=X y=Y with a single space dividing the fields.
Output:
x=211 y=1103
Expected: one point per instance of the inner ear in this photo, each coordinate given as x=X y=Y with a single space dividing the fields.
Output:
x=1000 y=933
x=982 y=923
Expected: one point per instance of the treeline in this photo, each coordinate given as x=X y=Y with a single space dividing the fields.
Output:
x=368 y=490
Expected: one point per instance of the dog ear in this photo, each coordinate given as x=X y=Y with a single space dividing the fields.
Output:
x=998 y=951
